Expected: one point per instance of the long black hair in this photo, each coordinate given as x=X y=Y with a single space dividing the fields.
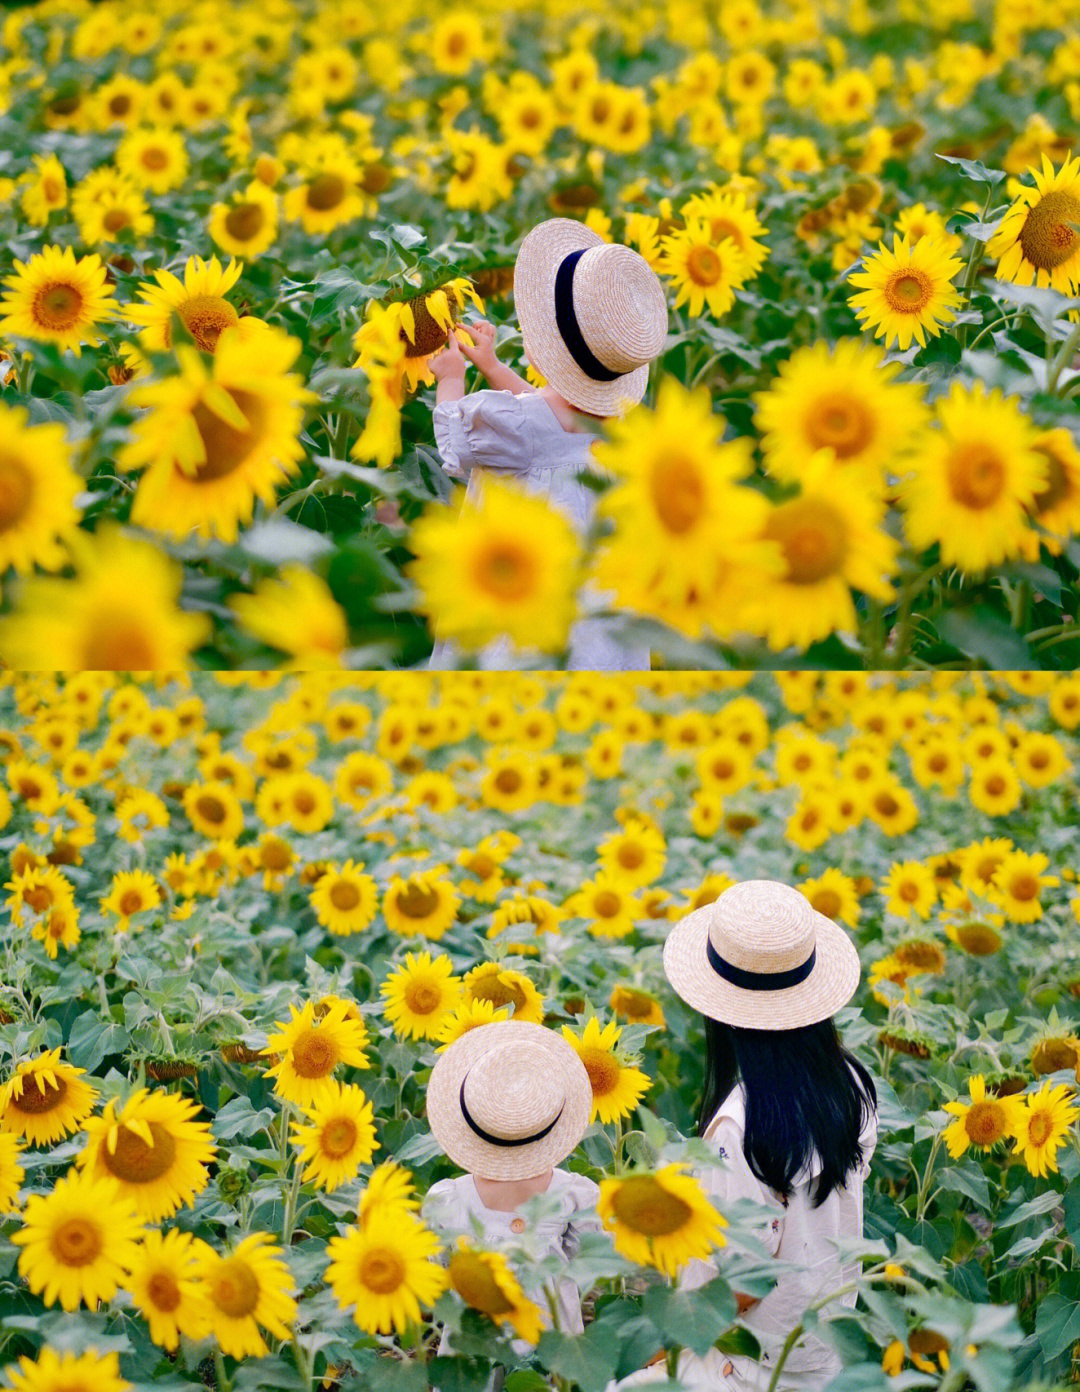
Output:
x=804 y=1094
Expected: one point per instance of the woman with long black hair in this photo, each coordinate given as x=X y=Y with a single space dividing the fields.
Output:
x=790 y=1113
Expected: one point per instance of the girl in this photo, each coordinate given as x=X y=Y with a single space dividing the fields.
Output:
x=593 y=316
x=789 y=1111
x=507 y=1102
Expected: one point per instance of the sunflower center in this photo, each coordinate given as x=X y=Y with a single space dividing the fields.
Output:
x=839 y=422
x=1040 y=1128
x=812 y=537
x=131 y=901
x=642 y=1203
x=636 y=1005
x=244 y=222
x=985 y=1123
x=506 y=570
x=473 y=1280
x=422 y=997
x=428 y=333
x=338 y=1137
x=908 y=291
x=631 y=856
x=57 y=306
x=154 y=158
x=418 y=902
x=1057 y=487
x=117 y=644
x=607 y=904
x=136 y=1162
x=703 y=265
x=76 y=1242
x=226 y=447
x=326 y=191
x=39 y=1095
x=381 y=1270
x=163 y=1291
x=276 y=856
x=1048 y=239
x=211 y=809
x=603 y=1071
x=976 y=475
x=483 y=865
x=1024 y=888
x=678 y=492
x=115 y=219
x=235 y=1289
x=344 y=896
x=508 y=781
x=827 y=902
x=314 y=1054
x=204 y=317
x=376 y=178
x=16 y=491
x=499 y=993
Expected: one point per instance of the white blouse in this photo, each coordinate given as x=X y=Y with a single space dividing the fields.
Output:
x=518 y=438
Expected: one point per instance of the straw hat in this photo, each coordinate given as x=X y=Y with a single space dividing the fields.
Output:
x=760 y=956
x=593 y=315
x=509 y=1100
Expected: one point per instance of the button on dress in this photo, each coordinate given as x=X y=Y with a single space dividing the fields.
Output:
x=518 y=439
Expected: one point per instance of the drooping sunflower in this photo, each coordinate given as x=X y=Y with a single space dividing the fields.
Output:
x=37 y=492
x=164 y=1285
x=616 y=1087
x=46 y=1099
x=504 y=566
x=77 y=1241
x=907 y=293
x=973 y=481
x=67 y=1372
x=198 y=301
x=503 y=986
x=662 y=1220
x=705 y=271
x=218 y=437
x=840 y=397
x=311 y=1049
x=1043 y=1126
x=983 y=1121
x=419 y=994
x=485 y=1282
x=423 y=325
x=345 y=899
x=339 y=1136
x=249 y=1287
x=386 y=1270
x=56 y=297
x=1038 y=242
x=152 y=1149
x=425 y=902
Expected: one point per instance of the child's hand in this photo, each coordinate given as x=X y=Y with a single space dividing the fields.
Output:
x=481 y=352
x=448 y=363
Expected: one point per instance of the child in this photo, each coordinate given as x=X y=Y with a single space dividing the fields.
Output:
x=789 y=1110
x=507 y=1102
x=593 y=316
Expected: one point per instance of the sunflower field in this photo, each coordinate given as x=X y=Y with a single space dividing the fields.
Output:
x=233 y=235
x=243 y=915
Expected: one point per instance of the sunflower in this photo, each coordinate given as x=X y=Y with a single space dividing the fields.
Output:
x=67 y=1372
x=339 y=1137
x=421 y=325
x=728 y=214
x=1042 y=1127
x=131 y=892
x=77 y=1241
x=37 y=492
x=907 y=292
x=164 y=1286
x=662 y=1220
x=705 y=271
x=995 y=787
x=390 y=1189
x=198 y=301
x=972 y=481
x=46 y=1099
x=425 y=902
x=345 y=899
x=635 y=855
x=909 y=888
x=841 y=397
x=456 y=42
x=11 y=1172
x=485 y=1282
x=982 y=1122
x=153 y=158
x=331 y=197
x=832 y=542
x=503 y=565
x=833 y=894
x=1038 y=241
x=311 y=1049
x=890 y=806
x=151 y=1148
x=504 y=987
x=419 y=994
x=1017 y=884
x=637 y=1007
x=119 y=613
x=467 y=1015
x=538 y=913
x=214 y=810
x=386 y=1270
x=245 y=1288
x=57 y=298
x=218 y=436
x=247 y=225
x=606 y=902
x=1055 y=511
x=1040 y=759
x=616 y=1087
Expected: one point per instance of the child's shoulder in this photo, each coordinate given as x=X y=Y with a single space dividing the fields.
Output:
x=576 y=1190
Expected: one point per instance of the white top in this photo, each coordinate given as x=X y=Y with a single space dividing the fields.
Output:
x=453 y=1207
x=793 y=1231
x=518 y=438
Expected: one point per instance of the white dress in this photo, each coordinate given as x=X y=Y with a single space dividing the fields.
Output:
x=520 y=439
x=453 y=1207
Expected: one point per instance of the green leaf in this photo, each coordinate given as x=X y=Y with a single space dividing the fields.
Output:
x=1041 y=1203
x=692 y=1319
x=975 y=169
x=981 y=632
x=587 y=1360
x=92 y=1038
x=967 y=1180
x=1057 y=1324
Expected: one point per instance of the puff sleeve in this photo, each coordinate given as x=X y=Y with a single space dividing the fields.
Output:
x=487 y=429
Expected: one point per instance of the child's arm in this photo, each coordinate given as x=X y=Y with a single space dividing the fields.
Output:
x=448 y=369
x=481 y=353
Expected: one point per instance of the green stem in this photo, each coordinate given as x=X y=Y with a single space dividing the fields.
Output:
x=223 y=1382
x=1061 y=360
x=288 y=1221
x=799 y=1330
x=923 y=1197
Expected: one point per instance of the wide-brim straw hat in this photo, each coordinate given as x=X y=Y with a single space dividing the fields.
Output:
x=593 y=315
x=762 y=957
x=509 y=1100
